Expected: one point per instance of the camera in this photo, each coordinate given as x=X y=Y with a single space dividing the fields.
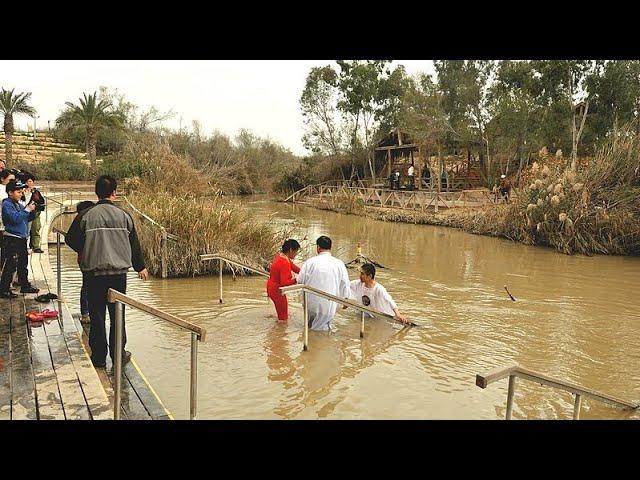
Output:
x=38 y=199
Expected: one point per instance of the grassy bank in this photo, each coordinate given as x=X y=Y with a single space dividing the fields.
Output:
x=188 y=204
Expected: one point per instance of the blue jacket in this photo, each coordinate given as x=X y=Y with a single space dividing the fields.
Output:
x=15 y=218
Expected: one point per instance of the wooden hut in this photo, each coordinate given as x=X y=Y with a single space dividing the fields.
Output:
x=398 y=151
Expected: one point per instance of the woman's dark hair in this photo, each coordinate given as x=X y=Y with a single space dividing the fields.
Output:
x=369 y=269
x=290 y=244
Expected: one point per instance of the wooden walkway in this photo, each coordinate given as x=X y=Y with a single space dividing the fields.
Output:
x=45 y=369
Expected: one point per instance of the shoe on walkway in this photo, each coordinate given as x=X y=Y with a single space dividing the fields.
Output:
x=29 y=289
x=85 y=319
x=38 y=250
x=99 y=365
x=8 y=294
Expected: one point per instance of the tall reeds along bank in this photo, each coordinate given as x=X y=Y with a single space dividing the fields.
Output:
x=594 y=209
x=187 y=203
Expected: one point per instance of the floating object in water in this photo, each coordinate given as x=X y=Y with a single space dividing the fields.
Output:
x=511 y=296
x=360 y=259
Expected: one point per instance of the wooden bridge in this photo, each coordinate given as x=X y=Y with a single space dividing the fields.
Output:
x=386 y=198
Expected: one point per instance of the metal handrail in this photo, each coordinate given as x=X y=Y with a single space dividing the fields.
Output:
x=516 y=371
x=197 y=334
x=222 y=260
x=343 y=301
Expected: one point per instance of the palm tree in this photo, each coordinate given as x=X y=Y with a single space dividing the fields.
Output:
x=92 y=114
x=11 y=104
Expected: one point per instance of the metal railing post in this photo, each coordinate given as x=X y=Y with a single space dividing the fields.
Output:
x=512 y=388
x=362 y=324
x=576 y=407
x=305 y=317
x=194 y=376
x=118 y=361
x=220 y=278
x=163 y=253
x=58 y=265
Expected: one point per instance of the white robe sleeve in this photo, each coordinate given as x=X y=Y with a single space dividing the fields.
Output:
x=345 y=283
x=302 y=275
x=387 y=297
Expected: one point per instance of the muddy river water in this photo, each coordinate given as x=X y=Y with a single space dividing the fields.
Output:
x=575 y=318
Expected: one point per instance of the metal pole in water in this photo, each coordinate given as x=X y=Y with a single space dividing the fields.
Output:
x=118 y=361
x=58 y=265
x=512 y=388
x=194 y=375
x=163 y=253
x=305 y=318
x=220 y=277
x=577 y=406
x=362 y=324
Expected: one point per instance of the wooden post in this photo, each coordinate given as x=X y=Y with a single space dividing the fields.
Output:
x=362 y=324
x=512 y=389
x=439 y=179
x=420 y=163
x=389 y=162
x=163 y=253
x=576 y=407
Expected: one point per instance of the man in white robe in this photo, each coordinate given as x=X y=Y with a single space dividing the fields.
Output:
x=326 y=273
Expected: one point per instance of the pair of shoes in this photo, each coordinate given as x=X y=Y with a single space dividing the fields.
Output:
x=85 y=319
x=99 y=365
x=29 y=289
x=38 y=250
x=35 y=316
x=8 y=294
x=46 y=297
x=126 y=356
x=49 y=313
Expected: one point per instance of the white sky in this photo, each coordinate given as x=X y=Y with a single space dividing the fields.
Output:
x=259 y=95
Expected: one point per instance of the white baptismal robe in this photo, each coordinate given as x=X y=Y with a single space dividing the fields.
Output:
x=329 y=274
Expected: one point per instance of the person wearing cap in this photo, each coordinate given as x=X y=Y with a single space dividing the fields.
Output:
x=505 y=188
x=16 y=218
x=326 y=273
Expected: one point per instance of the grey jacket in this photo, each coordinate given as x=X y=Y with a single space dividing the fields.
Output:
x=105 y=237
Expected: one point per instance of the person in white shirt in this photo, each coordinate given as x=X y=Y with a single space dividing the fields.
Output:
x=411 y=177
x=370 y=293
x=328 y=274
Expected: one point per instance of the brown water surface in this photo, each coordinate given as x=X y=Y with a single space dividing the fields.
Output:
x=575 y=318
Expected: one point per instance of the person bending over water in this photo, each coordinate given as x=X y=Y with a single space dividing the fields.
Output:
x=280 y=276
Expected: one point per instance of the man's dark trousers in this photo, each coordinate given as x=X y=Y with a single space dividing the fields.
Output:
x=98 y=286
x=14 y=247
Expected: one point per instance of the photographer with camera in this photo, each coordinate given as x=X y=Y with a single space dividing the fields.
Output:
x=15 y=218
x=33 y=195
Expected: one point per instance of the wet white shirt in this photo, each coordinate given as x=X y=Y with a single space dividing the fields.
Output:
x=329 y=274
x=377 y=297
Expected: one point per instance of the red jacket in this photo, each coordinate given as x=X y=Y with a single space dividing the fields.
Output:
x=280 y=273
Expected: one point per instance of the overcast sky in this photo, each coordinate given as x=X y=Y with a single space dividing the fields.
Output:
x=260 y=95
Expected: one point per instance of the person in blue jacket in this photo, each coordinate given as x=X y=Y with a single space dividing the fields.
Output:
x=15 y=218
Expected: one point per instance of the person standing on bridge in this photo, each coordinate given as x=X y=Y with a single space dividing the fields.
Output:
x=328 y=274
x=280 y=276
x=106 y=236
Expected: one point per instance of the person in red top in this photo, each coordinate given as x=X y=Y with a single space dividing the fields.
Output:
x=280 y=276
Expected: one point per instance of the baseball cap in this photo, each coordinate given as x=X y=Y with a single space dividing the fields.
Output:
x=15 y=185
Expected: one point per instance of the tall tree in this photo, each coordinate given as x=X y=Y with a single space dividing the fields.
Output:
x=319 y=110
x=10 y=105
x=359 y=83
x=93 y=114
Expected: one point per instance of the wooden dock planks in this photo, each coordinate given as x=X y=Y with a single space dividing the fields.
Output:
x=23 y=399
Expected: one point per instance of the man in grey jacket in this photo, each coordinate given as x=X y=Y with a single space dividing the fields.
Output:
x=106 y=239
